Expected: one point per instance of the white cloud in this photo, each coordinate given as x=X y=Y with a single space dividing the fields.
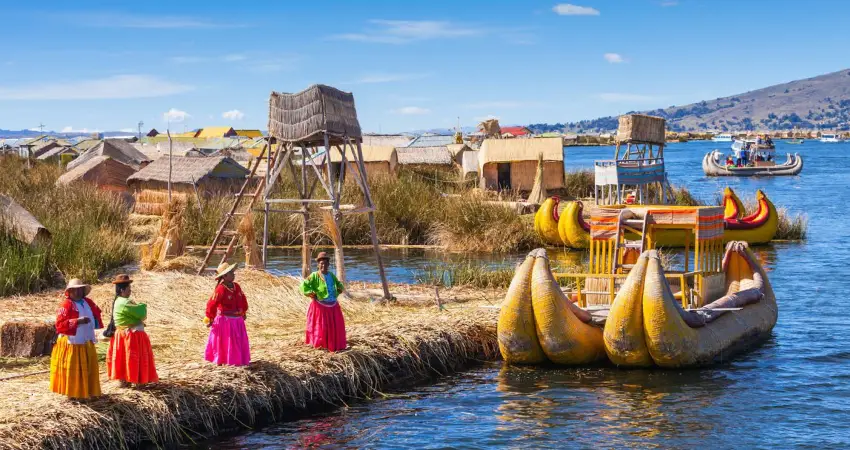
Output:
x=412 y=111
x=249 y=62
x=70 y=129
x=389 y=77
x=175 y=115
x=114 y=87
x=122 y=20
x=616 y=97
x=127 y=130
x=613 y=58
x=566 y=9
x=501 y=104
x=487 y=117
x=405 y=31
x=233 y=114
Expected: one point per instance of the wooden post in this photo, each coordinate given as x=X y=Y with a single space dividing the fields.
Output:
x=372 y=230
x=339 y=256
x=267 y=150
x=305 y=236
x=168 y=132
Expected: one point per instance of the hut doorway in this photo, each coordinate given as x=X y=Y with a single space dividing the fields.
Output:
x=503 y=175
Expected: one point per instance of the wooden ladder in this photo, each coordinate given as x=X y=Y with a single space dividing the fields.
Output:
x=228 y=225
x=624 y=225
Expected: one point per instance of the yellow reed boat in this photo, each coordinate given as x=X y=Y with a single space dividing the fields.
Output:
x=718 y=302
x=570 y=229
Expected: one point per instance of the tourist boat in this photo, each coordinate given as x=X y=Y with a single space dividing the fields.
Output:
x=760 y=163
x=722 y=137
x=830 y=138
x=640 y=313
x=574 y=231
x=752 y=144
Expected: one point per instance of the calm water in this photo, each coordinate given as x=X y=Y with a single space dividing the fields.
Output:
x=794 y=391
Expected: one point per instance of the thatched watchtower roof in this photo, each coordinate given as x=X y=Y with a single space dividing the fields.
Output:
x=189 y=170
x=309 y=115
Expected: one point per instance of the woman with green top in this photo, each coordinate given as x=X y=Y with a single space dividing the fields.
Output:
x=129 y=358
x=325 y=324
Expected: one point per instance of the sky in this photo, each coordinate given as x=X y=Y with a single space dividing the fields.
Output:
x=91 y=65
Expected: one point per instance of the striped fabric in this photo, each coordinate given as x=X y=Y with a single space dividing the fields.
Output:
x=707 y=221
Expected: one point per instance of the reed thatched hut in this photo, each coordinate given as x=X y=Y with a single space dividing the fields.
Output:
x=21 y=223
x=104 y=172
x=376 y=159
x=512 y=163
x=117 y=149
x=425 y=157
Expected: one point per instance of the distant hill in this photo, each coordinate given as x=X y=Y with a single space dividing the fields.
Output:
x=813 y=103
x=13 y=134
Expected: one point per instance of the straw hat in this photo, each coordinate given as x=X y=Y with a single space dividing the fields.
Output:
x=74 y=283
x=223 y=269
x=121 y=279
x=322 y=255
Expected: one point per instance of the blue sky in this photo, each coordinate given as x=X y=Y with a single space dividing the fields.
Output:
x=92 y=65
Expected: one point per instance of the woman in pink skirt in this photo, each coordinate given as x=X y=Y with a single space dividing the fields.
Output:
x=225 y=316
x=325 y=325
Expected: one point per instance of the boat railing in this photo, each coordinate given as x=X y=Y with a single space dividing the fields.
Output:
x=689 y=287
x=629 y=162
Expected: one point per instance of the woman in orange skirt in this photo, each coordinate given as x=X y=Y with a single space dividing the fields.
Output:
x=130 y=358
x=73 y=362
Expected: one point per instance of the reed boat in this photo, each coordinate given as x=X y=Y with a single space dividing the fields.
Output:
x=537 y=323
x=573 y=231
x=716 y=303
x=648 y=326
x=714 y=165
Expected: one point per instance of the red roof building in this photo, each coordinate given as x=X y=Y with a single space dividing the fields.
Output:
x=515 y=131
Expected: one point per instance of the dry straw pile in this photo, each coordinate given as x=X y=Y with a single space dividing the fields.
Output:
x=389 y=345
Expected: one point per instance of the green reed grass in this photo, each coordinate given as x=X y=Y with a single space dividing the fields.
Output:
x=89 y=226
x=467 y=273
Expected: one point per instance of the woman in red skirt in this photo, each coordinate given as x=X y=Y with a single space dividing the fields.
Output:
x=325 y=324
x=130 y=357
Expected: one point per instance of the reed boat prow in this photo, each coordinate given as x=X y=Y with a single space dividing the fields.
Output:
x=711 y=334
x=546 y=221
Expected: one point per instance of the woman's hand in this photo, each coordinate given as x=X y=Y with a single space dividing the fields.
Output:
x=83 y=320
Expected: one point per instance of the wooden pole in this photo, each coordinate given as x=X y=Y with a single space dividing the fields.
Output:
x=168 y=132
x=373 y=232
x=267 y=151
x=305 y=237
x=339 y=257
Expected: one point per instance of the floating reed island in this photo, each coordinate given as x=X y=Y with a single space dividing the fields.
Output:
x=389 y=344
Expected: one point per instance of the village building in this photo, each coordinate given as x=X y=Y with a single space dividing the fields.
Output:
x=202 y=177
x=216 y=132
x=117 y=149
x=464 y=157
x=514 y=132
x=377 y=160
x=425 y=157
x=250 y=134
x=512 y=163
x=104 y=172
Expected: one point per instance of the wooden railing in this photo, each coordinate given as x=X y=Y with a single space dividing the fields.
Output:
x=689 y=296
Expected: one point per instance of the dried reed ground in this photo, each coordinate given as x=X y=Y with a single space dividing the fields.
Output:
x=389 y=345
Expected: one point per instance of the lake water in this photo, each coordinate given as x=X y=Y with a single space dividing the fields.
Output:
x=792 y=392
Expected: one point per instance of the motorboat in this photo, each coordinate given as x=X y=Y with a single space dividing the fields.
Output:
x=831 y=138
x=722 y=137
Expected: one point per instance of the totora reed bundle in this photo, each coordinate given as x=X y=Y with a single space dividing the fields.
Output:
x=253 y=257
x=168 y=243
x=388 y=345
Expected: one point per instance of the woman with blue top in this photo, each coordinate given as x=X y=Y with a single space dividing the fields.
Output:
x=325 y=324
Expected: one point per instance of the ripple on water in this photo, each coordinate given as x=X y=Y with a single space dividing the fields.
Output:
x=793 y=391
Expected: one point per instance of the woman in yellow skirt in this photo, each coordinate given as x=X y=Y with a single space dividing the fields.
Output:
x=73 y=363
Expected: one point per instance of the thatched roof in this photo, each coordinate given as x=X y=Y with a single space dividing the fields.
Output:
x=508 y=150
x=370 y=154
x=23 y=225
x=189 y=170
x=252 y=134
x=394 y=140
x=113 y=172
x=313 y=113
x=117 y=149
x=424 y=155
x=56 y=151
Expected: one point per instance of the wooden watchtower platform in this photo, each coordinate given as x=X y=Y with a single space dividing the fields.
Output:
x=638 y=164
